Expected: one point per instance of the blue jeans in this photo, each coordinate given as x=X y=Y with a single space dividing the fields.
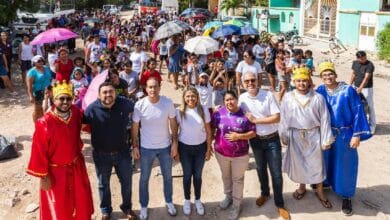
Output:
x=192 y=158
x=121 y=161
x=146 y=161
x=268 y=153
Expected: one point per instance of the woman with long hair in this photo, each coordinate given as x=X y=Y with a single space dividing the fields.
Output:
x=194 y=145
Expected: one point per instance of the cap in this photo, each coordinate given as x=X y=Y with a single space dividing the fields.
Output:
x=203 y=74
x=326 y=66
x=36 y=58
x=301 y=73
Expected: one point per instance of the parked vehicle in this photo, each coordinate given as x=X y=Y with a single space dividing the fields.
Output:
x=111 y=9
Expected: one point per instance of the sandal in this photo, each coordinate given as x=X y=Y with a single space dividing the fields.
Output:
x=298 y=196
x=325 y=202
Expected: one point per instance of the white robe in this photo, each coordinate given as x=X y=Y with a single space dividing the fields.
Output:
x=305 y=128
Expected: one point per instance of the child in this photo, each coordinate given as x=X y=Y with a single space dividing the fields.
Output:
x=163 y=53
x=283 y=78
x=205 y=91
x=194 y=69
x=220 y=85
x=150 y=72
x=78 y=79
x=309 y=61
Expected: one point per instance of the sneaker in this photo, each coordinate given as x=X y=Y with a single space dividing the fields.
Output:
x=224 y=204
x=143 y=213
x=347 y=207
x=171 y=209
x=187 y=207
x=199 y=207
x=234 y=212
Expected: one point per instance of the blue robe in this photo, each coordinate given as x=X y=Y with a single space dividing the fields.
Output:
x=347 y=120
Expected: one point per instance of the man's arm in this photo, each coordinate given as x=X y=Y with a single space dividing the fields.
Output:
x=135 y=139
x=174 y=130
x=275 y=118
x=353 y=76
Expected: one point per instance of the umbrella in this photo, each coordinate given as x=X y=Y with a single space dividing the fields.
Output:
x=199 y=16
x=235 y=22
x=53 y=35
x=211 y=24
x=183 y=24
x=201 y=45
x=93 y=89
x=169 y=29
x=225 y=30
x=249 y=30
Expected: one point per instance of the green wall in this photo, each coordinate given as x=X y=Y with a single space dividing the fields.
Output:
x=284 y=19
x=281 y=3
x=359 y=5
x=349 y=28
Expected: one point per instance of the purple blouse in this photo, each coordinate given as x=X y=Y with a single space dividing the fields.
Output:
x=226 y=122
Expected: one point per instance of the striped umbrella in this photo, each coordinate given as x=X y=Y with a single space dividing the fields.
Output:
x=169 y=29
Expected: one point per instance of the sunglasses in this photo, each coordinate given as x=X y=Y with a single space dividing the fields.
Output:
x=62 y=99
x=249 y=80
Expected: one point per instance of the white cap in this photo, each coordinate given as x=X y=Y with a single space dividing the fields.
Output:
x=203 y=74
x=36 y=58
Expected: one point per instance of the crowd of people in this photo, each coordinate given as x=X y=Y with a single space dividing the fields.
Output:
x=225 y=110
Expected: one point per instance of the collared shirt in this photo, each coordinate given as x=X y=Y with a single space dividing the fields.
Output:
x=262 y=105
x=109 y=131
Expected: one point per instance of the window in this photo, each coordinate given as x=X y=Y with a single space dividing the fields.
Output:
x=386 y=5
x=283 y=17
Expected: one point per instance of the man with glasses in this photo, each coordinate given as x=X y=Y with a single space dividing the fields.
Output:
x=57 y=159
x=262 y=109
x=109 y=117
x=362 y=79
x=350 y=126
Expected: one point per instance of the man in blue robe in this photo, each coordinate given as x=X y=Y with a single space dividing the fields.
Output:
x=349 y=126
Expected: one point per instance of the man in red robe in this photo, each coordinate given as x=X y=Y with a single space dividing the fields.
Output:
x=56 y=158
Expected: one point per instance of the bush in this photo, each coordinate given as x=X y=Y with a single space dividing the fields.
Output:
x=383 y=43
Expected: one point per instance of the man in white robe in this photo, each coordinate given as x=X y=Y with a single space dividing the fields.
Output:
x=305 y=129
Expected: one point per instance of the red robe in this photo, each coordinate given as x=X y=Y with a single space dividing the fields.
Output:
x=56 y=151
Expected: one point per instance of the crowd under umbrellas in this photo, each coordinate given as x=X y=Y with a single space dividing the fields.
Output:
x=221 y=64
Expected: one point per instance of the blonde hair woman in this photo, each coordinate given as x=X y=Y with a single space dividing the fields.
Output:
x=194 y=145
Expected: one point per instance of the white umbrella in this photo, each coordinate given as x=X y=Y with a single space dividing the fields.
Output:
x=201 y=45
x=169 y=29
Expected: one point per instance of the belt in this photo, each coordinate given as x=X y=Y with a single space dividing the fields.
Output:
x=268 y=136
x=73 y=162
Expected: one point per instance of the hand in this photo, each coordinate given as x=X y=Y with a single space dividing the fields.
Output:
x=251 y=117
x=31 y=99
x=326 y=147
x=359 y=90
x=20 y=62
x=136 y=153
x=209 y=153
x=232 y=136
x=355 y=142
x=174 y=153
x=45 y=183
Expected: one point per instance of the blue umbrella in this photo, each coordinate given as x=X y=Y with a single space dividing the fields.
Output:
x=249 y=30
x=211 y=24
x=225 y=30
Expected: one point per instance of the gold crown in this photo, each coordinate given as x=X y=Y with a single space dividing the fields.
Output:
x=62 y=88
x=326 y=66
x=301 y=73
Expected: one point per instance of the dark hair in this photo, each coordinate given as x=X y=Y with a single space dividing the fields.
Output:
x=106 y=83
x=78 y=58
x=150 y=61
x=221 y=60
x=309 y=52
x=250 y=53
x=230 y=92
x=112 y=71
x=298 y=52
x=280 y=51
x=361 y=53
x=128 y=63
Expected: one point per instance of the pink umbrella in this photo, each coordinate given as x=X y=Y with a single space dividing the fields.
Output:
x=93 y=89
x=53 y=35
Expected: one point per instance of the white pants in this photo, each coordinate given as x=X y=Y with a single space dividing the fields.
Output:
x=368 y=93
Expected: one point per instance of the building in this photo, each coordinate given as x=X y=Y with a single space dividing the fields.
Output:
x=355 y=22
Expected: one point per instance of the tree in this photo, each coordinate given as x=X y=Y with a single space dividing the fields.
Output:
x=231 y=4
x=9 y=8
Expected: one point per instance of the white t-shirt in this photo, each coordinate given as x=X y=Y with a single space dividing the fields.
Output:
x=163 y=48
x=130 y=78
x=244 y=67
x=51 y=58
x=154 y=118
x=258 y=51
x=206 y=95
x=261 y=106
x=96 y=51
x=192 y=127
x=138 y=59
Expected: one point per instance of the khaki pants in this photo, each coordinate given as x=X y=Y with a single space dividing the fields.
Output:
x=233 y=173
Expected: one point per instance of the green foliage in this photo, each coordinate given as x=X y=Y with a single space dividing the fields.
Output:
x=8 y=9
x=383 y=43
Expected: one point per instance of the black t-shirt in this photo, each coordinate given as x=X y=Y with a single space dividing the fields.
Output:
x=360 y=72
x=120 y=89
